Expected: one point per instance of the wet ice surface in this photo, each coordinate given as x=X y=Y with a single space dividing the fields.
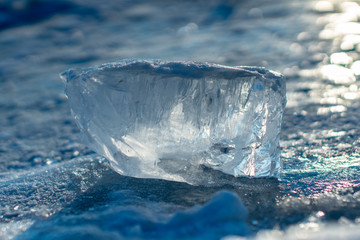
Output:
x=159 y=119
x=50 y=183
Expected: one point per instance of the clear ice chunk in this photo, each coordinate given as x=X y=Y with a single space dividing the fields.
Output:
x=172 y=120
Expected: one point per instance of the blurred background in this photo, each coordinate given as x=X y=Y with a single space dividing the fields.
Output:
x=315 y=44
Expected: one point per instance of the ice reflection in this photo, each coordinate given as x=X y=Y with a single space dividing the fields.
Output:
x=332 y=109
x=350 y=42
x=340 y=58
x=324 y=6
x=321 y=154
x=337 y=67
x=355 y=68
x=337 y=74
x=341 y=25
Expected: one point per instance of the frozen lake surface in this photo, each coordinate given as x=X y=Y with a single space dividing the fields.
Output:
x=53 y=187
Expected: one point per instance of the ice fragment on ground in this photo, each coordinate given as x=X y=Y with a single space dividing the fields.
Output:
x=159 y=119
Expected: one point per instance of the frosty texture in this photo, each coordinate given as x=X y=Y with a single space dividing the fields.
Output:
x=173 y=120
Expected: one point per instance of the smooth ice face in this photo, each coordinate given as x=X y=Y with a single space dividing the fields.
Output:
x=169 y=120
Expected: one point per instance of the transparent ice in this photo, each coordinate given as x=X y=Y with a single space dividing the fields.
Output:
x=174 y=120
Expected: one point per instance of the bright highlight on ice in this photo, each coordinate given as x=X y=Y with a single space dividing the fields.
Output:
x=159 y=119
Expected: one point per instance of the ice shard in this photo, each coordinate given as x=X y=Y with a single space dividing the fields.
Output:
x=168 y=120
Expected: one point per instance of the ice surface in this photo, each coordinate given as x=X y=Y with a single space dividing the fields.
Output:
x=314 y=230
x=159 y=119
